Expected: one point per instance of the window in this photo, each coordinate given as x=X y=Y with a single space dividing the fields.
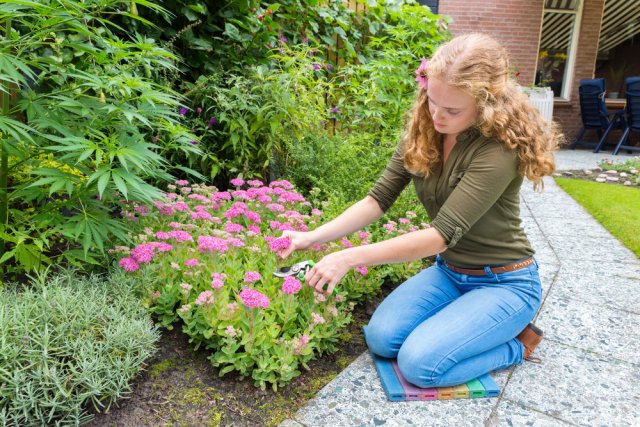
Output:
x=558 y=45
x=433 y=4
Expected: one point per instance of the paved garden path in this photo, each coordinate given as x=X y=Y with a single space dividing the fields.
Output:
x=590 y=374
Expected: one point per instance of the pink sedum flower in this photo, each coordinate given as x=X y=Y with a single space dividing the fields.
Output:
x=212 y=244
x=182 y=182
x=251 y=277
x=362 y=270
x=279 y=244
x=180 y=236
x=255 y=183
x=143 y=253
x=291 y=285
x=237 y=182
x=128 y=264
x=252 y=298
x=231 y=227
x=192 y=262
x=317 y=319
x=205 y=298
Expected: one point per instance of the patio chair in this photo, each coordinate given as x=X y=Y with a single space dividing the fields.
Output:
x=594 y=114
x=631 y=121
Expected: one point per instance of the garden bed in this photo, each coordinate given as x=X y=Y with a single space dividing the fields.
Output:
x=181 y=387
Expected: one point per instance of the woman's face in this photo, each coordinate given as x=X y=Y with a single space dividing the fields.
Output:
x=452 y=110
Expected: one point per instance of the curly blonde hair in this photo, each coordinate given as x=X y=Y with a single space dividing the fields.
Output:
x=478 y=65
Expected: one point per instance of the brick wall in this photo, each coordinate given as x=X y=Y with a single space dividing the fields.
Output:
x=514 y=23
x=567 y=114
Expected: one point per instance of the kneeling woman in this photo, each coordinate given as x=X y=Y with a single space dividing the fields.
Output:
x=470 y=141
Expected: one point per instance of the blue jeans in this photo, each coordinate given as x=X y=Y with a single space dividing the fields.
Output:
x=447 y=328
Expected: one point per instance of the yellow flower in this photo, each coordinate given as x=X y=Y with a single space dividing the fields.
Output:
x=560 y=55
x=543 y=54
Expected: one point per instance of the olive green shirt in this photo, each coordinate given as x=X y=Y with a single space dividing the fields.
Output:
x=473 y=200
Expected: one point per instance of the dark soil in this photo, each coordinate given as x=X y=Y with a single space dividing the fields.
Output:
x=181 y=388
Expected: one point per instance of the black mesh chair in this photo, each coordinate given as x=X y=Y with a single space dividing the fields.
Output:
x=631 y=119
x=594 y=114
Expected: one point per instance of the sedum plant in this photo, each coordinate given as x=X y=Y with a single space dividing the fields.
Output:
x=69 y=343
x=84 y=124
x=206 y=258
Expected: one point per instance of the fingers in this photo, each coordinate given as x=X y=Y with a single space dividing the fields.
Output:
x=285 y=252
x=317 y=280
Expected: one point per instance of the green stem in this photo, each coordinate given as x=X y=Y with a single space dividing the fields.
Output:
x=4 y=164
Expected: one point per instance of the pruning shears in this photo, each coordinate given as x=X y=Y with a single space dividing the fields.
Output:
x=299 y=270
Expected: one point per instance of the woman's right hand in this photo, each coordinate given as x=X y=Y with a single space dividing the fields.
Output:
x=299 y=240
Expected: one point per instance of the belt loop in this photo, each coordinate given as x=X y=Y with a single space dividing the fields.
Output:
x=487 y=270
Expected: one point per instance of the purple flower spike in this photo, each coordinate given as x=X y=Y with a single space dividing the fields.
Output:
x=183 y=111
x=316 y=66
x=335 y=109
x=198 y=110
x=283 y=39
x=329 y=67
x=212 y=122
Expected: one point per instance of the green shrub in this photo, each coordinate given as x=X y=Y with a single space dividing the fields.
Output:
x=200 y=249
x=246 y=120
x=68 y=343
x=83 y=124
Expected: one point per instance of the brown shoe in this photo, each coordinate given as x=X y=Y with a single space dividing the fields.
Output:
x=530 y=337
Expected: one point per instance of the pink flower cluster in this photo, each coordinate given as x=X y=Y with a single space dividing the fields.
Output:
x=279 y=244
x=252 y=298
x=217 y=280
x=205 y=298
x=212 y=244
x=192 y=262
x=291 y=285
x=251 y=277
x=300 y=344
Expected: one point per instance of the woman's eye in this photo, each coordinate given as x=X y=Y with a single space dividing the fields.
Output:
x=454 y=113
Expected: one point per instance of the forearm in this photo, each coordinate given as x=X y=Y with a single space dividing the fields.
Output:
x=407 y=247
x=358 y=215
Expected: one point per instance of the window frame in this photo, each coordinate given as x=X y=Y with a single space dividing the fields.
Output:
x=569 y=74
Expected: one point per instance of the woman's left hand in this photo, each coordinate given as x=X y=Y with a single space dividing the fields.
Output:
x=328 y=271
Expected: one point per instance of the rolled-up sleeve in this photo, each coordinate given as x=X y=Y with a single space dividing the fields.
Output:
x=393 y=180
x=490 y=172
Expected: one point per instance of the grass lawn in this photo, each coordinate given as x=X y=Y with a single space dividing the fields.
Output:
x=615 y=206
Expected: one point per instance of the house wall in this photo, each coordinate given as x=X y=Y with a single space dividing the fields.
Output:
x=514 y=23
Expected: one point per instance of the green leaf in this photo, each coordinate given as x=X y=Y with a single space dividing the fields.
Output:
x=102 y=182
x=120 y=184
x=232 y=31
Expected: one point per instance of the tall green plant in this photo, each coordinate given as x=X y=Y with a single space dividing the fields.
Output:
x=85 y=126
x=247 y=120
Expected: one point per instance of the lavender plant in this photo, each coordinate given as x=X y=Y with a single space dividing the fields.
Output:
x=69 y=343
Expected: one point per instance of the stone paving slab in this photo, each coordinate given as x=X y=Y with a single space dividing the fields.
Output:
x=590 y=374
x=578 y=280
x=510 y=414
x=578 y=387
x=581 y=248
x=591 y=327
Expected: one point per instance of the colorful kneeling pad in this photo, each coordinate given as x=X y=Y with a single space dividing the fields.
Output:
x=398 y=389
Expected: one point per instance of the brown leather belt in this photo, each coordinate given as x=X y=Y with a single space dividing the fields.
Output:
x=495 y=270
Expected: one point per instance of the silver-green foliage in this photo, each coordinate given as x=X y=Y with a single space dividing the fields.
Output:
x=68 y=343
x=85 y=122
